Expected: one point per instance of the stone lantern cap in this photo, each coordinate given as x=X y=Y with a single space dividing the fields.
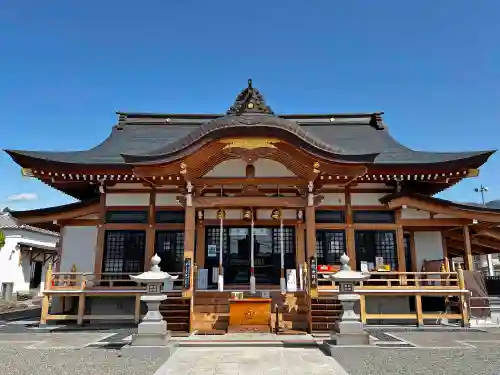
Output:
x=155 y=275
x=346 y=275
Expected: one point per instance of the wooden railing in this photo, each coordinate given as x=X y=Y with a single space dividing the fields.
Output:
x=82 y=284
x=83 y=281
x=397 y=281
x=410 y=284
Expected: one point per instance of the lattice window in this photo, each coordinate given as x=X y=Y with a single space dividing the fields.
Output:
x=288 y=240
x=124 y=251
x=372 y=244
x=330 y=245
x=385 y=246
x=213 y=238
x=169 y=246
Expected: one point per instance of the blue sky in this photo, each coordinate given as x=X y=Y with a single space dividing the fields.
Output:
x=67 y=66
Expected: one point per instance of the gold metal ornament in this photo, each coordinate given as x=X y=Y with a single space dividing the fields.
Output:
x=247 y=214
x=249 y=143
x=276 y=214
x=221 y=214
x=26 y=172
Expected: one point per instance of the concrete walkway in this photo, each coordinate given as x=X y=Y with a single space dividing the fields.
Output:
x=250 y=361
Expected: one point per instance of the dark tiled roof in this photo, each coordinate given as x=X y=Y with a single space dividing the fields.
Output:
x=354 y=136
x=8 y=221
x=345 y=135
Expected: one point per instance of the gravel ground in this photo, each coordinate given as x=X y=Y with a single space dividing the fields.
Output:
x=485 y=360
x=16 y=360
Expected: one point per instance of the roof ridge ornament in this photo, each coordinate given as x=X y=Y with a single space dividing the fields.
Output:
x=250 y=100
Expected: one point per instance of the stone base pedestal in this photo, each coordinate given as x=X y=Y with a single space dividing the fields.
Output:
x=348 y=333
x=349 y=339
x=165 y=351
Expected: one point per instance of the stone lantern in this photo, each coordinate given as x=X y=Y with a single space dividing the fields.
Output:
x=349 y=329
x=152 y=331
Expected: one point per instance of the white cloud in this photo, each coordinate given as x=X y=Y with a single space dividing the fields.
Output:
x=22 y=197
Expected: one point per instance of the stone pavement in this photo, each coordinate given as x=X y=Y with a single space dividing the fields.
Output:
x=25 y=350
x=250 y=361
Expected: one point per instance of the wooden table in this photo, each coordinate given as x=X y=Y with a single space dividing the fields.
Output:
x=250 y=315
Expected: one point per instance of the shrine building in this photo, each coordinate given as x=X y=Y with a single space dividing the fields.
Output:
x=260 y=203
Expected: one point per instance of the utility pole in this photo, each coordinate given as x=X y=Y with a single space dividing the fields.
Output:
x=483 y=189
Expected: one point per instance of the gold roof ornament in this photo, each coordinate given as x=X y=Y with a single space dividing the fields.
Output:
x=221 y=214
x=249 y=143
x=247 y=214
x=26 y=172
x=276 y=214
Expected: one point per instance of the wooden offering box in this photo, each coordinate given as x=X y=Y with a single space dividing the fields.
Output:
x=250 y=315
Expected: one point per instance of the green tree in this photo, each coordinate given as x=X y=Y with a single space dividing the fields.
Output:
x=2 y=239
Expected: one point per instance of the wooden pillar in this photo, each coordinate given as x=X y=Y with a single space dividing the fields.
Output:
x=468 y=250
x=150 y=231
x=200 y=244
x=418 y=309
x=400 y=241
x=310 y=231
x=445 y=253
x=300 y=251
x=101 y=232
x=81 y=308
x=46 y=297
x=463 y=303
x=189 y=240
x=350 y=237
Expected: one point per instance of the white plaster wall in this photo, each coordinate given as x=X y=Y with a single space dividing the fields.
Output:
x=443 y=216
x=166 y=199
x=428 y=246
x=79 y=246
x=14 y=271
x=121 y=199
x=237 y=168
x=333 y=199
x=229 y=168
x=411 y=213
x=366 y=199
x=271 y=168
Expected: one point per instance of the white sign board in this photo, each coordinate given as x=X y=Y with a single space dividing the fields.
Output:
x=215 y=275
x=212 y=251
x=261 y=231
x=168 y=285
x=202 y=278
x=238 y=231
x=364 y=266
x=291 y=280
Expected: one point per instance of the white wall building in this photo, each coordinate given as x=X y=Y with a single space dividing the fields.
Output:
x=25 y=256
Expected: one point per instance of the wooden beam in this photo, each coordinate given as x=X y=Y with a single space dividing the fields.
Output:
x=268 y=202
x=435 y=222
x=443 y=208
